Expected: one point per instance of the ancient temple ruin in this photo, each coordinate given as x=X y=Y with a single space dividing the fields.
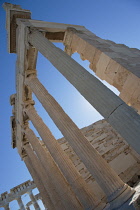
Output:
x=16 y=194
x=92 y=168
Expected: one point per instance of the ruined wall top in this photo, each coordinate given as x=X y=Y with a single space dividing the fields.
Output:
x=16 y=191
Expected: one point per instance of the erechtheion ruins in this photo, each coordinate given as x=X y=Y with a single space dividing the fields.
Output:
x=16 y=194
x=98 y=166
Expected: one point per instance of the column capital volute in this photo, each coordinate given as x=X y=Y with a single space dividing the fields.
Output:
x=28 y=105
x=68 y=39
x=26 y=108
x=24 y=138
x=25 y=130
x=30 y=73
x=68 y=35
x=23 y=153
x=32 y=30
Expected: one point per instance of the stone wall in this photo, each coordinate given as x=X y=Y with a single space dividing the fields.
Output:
x=122 y=158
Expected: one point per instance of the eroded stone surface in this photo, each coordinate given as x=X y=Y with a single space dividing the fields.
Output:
x=16 y=193
x=122 y=158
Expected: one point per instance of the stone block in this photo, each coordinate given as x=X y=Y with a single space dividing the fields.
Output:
x=136 y=93
x=112 y=55
x=64 y=146
x=84 y=173
x=99 y=138
x=123 y=49
x=74 y=43
x=62 y=140
x=125 y=96
x=95 y=60
x=80 y=166
x=89 y=138
x=131 y=83
x=119 y=166
x=12 y=13
x=89 y=52
x=90 y=34
x=129 y=173
x=88 y=133
x=111 y=70
x=81 y=46
x=120 y=78
x=76 y=161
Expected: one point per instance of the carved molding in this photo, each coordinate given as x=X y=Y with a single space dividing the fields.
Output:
x=6 y=198
x=12 y=13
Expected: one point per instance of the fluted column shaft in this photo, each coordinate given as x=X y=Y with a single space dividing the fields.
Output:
x=122 y=117
x=46 y=180
x=34 y=202
x=108 y=180
x=80 y=187
x=20 y=203
x=63 y=189
x=40 y=185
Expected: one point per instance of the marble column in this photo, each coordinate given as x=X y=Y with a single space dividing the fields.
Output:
x=116 y=191
x=40 y=185
x=80 y=187
x=45 y=178
x=6 y=207
x=20 y=203
x=122 y=117
x=63 y=189
x=34 y=202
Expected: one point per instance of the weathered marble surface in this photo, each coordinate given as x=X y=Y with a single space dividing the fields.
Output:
x=122 y=158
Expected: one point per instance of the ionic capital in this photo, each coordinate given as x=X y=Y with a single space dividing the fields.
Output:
x=29 y=74
x=68 y=40
x=32 y=29
x=24 y=131
x=24 y=137
x=27 y=106
x=68 y=35
x=23 y=153
x=28 y=103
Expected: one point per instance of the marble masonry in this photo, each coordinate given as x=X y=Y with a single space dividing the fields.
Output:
x=97 y=167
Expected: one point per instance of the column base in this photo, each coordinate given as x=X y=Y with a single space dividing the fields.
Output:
x=120 y=197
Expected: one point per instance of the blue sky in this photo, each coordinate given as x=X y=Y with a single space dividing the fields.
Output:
x=116 y=20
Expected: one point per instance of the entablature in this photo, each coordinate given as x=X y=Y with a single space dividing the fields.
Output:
x=12 y=13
